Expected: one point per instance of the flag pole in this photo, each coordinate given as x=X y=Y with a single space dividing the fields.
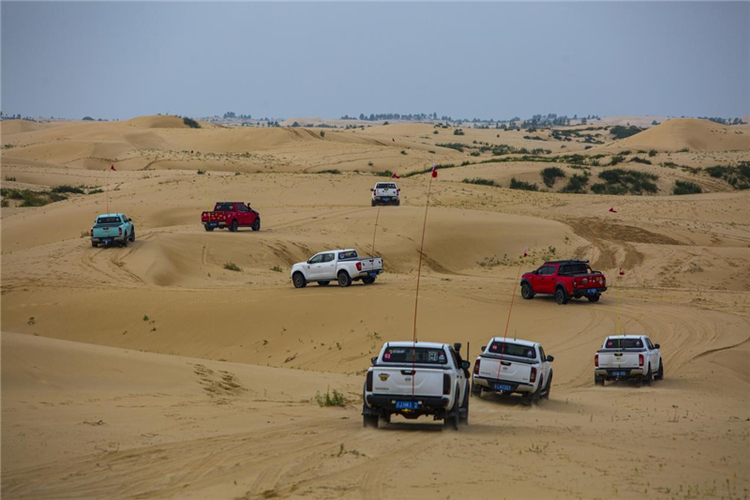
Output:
x=377 y=216
x=107 y=187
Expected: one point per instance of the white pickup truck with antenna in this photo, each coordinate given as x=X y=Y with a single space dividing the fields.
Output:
x=628 y=357
x=508 y=366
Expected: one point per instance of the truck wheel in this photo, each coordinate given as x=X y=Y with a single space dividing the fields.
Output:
x=476 y=390
x=323 y=283
x=594 y=298
x=344 y=279
x=256 y=224
x=398 y=203
x=451 y=421
x=132 y=235
x=598 y=380
x=526 y=291
x=124 y=242
x=208 y=227
x=537 y=395
x=369 y=280
x=373 y=203
x=234 y=226
x=561 y=296
x=370 y=421
x=647 y=379
x=299 y=280
x=549 y=387
x=95 y=244
x=660 y=374
x=463 y=412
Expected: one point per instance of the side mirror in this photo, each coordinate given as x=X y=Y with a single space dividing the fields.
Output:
x=465 y=364
x=483 y=348
x=374 y=360
x=657 y=346
x=457 y=346
x=550 y=358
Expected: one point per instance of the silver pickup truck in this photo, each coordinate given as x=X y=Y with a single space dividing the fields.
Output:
x=625 y=357
x=343 y=266
x=417 y=378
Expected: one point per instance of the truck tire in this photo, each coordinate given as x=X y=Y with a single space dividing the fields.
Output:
x=561 y=296
x=526 y=291
x=648 y=377
x=549 y=387
x=476 y=390
x=537 y=395
x=398 y=203
x=256 y=224
x=95 y=244
x=208 y=227
x=299 y=280
x=234 y=226
x=369 y=280
x=598 y=380
x=344 y=279
x=463 y=412
x=132 y=236
x=323 y=283
x=594 y=298
x=368 y=420
x=373 y=203
x=660 y=373
x=124 y=242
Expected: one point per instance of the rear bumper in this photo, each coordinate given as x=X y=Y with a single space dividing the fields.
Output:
x=106 y=239
x=584 y=291
x=215 y=223
x=373 y=273
x=620 y=373
x=489 y=384
x=385 y=199
x=428 y=405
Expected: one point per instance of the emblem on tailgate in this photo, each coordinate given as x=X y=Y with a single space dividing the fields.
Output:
x=383 y=376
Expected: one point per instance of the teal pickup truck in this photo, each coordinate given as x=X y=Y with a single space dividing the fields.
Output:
x=112 y=228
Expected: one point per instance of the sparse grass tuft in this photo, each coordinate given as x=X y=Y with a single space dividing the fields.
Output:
x=686 y=187
x=481 y=182
x=276 y=269
x=231 y=266
x=334 y=398
x=527 y=186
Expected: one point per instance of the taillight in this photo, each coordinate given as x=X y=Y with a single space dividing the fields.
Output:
x=359 y=266
x=476 y=368
x=120 y=230
x=92 y=231
x=596 y=361
x=640 y=360
x=533 y=375
x=369 y=382
x=446 y=384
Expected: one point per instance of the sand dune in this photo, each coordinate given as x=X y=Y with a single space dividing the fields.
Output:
x=154 y=371
x=690 y=133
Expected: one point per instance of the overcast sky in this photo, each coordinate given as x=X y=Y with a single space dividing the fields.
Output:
x=487 y=60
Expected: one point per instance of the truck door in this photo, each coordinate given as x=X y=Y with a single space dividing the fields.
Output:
x=313 y=267
x=653 y=355
x=243 y=215
x=546 y=278
x=328 y=266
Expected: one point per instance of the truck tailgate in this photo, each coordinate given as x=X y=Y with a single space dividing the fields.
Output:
x=618 y=359
x=510 y=369
x=398 y=381
x=371 y=264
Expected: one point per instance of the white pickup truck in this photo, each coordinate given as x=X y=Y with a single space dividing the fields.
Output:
x=386 y=192
x=513 y=366
x=343 y=266
x=624 y=357
x=417 y=378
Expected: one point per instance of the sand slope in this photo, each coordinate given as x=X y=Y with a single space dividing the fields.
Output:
x=690 y=133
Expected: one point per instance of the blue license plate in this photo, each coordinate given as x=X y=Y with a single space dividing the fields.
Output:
x=107 y=240
x=503 y=387
x=619 y=374
x=214 y=224
x=373 y=274
x=591 y=290
x=407 y=405
x=385 y=198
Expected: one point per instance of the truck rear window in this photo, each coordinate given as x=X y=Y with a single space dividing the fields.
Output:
x=419 y=355
x=224 y=207
x=624 y=344
x=571 y=269
x=348 y=255
x=108 y=220
x=512 y=349
x=383 y=185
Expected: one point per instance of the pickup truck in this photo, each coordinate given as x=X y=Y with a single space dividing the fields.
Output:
x=513 y=366
x=414 y=379
x=564 y=279
x=231 y=215
x=343 y=266
x=112 y=228
x=386 y=192
x=632 y=357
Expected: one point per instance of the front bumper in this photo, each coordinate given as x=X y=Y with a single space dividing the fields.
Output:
x=428 y=405
x=489 y=384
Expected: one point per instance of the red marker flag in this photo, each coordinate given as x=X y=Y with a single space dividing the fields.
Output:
x=526 y=251
x=395 y=176
x=434 y=170
x=612 y=209
x=112 y=167
x=393 y=139
x=622 y=273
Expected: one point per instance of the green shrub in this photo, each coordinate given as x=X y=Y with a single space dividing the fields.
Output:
x=638 y=159
x=452 y=145
x=458 y=131
x=231 y=266
x=619 y=181
x=481 y=182
x=551 y=174
x=330 y=399
x=9 y=178
x=333 y=171
x=201 y=172
x=738 y=177
x=621 y=132
x=683 y=150
x=686 y=187
x=403 y=152
x=276 y=269
x=527 y=186
x=652 y=153
x=191 y=123
x=31 y=198
x=576 y=184
x=67 y=189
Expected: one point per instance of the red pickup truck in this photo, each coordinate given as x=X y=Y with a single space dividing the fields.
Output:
x=564 y=279
x=231 y=215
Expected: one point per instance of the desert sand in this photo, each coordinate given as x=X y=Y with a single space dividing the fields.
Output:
x=153 y=372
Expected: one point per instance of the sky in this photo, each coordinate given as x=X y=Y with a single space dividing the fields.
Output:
x=485 y=60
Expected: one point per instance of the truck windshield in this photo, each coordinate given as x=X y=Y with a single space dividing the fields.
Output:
x=512 y=349
x=108 y=220
x=615 y=343
x=418 y=355
x=571 y=269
